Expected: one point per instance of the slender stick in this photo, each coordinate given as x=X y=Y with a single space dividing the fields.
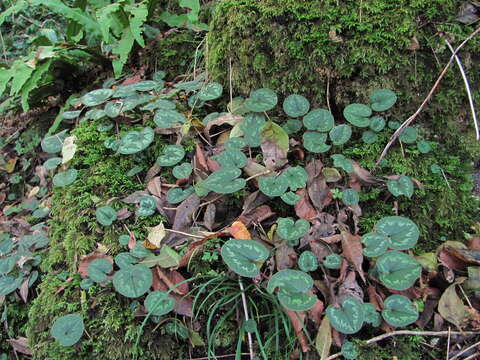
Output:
x=407 y=122
x=184 y=233
x=266 y=172
x=245 y=310
x=464 y=351
x=448 y=344
x=409 y=332
x=467 y=88
x=217 y=356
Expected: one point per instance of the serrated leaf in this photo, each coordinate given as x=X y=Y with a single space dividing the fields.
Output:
x=133 y=281
x=242 y=256
x=399 y=311
x=348 y=319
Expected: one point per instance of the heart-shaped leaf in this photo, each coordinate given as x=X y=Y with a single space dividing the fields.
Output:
x=210 y=91
x=53 y=144
x=296 y=301
x=377 y=123
x=133 y=281
x=350 y=197
x=125 y=259
x=307 y=261
x=148 y=206
x=241 y=256
x=106 y=215
x=52 y=163
x=131 y=102
x=409 y=135
x=112 y=109
x=394 y=125
x=158 y=303
x=397 y=270
x=236 y=143
x=340 y=161
x=296 y=105
x=293 y=287
x=289 y=229
x=296 y=177
x=159 y=104
x=376 y=244
x=124 y=239
x=331 y=175
x=166 y=258
x=7 y=264
x=182 y=171
x=231 y=158
x=292 y=126
x=372 y=316
x=9 y=284
x=273 y=186
x=189 y=85
x=68 y=329
x=94 y=114
x=424 y=147
x=349 y=318
x=177 y=195
x=401 y=231
x=165 y=119
x=172 y=155
x=382 y=99
x=135 y=141
x=319 y=120
x=402 y=186
x=65 y=178
x=369 y=137
x=6 y=246
x=252 y=127
x=358 y=114
x=315 y=142
x=349 y=350
x=96 y=97
x=139 y=251
x=333 y=261
x=261 y=100
x=99 y=269
x=399 y=311
x=340 y=134
x=225 y=181
x=290 y=198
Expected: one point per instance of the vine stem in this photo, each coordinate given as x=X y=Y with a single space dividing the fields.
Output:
x=407 y=122
x=409 y=332
x=245 y=310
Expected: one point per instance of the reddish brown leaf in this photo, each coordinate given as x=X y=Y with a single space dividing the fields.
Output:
x=257 y=215
x=318 y=191
x=24 y=289
x=213 y=165
x=123 y=214
x=209 y=216
x=183 y=220
x=353 y=252
x=450 y=260
x=285 y=257
x=87 y=259
x=152 y=172
x=20 y=345
x=332 y=239
x=154 y=186
x=315 y=313
x=228 y=118
x=362 y=176
x=349 y=287
x=303 y=207
x=200 y=159
x=298 y=322
x=474 y=243
x=134 y=197
x=274 y=157
x=374 y=298
x=427 y=313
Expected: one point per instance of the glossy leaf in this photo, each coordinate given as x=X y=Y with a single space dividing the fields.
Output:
x=106 y=215
x=399 y=311
x=172 y=155
x=340 y=134
x=307 y=261
x=296 y=301
x=293 y=286
x=358 y=114
x=65 y=178
x=319 y=120
x=401 y=231
x=99 y=269
x=241 y=256
x=397 y=270
x=133 y=281
x=382 y=99
x=158 y=303
x=348 y=319
x=289 y=229
x=261 y=100
x=136 y=141
x=402 y=186
x=296 y=105
x=68 y=329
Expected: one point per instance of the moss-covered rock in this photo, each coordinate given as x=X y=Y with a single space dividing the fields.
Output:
x=344 y=50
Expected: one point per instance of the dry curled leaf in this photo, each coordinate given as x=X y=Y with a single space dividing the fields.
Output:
x=323 y=341
x=353 y=252
x=239 y=231
x=451 y=307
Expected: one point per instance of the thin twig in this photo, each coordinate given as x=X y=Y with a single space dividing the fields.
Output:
x=467 y=88
x=448 y=343
x=465 y=350
x=184 y=233
x=425 y=101
x=473 y=356
x=4 y=47
x=217 y=356
x=328 y=92
x=409 y=332
x=230 y=82
x=211 y=201
x=245 y=310
x=445 y=177
x=266 y=172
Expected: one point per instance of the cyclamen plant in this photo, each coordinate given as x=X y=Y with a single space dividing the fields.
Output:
x=253 y=129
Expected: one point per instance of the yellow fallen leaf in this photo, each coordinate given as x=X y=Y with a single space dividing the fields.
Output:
x=156 y=235
x=239 y=231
